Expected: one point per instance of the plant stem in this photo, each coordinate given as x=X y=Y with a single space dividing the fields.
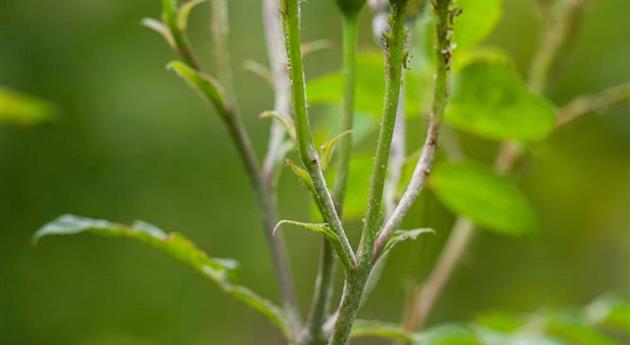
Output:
x=290 y=11
x=282 y=87
x=423 y=302
x=562 y=24
x=327 y=268
x=396 y=56
x=585 y=104
x=356 y=279
x=350 y=42
x=265 y=193
x=220 y=29
x=440 y=98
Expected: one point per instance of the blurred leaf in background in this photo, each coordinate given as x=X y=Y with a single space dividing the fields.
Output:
x=24 y=109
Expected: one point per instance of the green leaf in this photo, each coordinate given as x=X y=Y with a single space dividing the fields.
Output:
x=161 y=29
x=404 y=235
x=284 y=120
x=476 y=21
x=577 y=332
x=368 y=328
x=447 y=335
x=325 y=230
x=177 y=246
x=184 y=12
x=500 y=322
x=22 y=109
x=476 y=192
x=302 y=174
x=611 y=313
x=327 y=148
x=370 y=87
x=490 y=99
x=207 y=86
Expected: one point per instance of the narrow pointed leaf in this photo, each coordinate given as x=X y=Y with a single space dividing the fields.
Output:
x=220 y=271
x=368 y=328
x=283 y=120
x=301 y=174
x=260 y=70
x=476 y=192
x=184 y=12
x=161 y=29
x=404 y=235
x=325 y=230
x=207 y=86
x=327 y=148
x=315 y=46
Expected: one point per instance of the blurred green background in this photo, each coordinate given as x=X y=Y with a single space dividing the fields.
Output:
x=130 y=141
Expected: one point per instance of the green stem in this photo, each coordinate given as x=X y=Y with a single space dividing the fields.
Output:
x=325 y=280
x=219 y=27
x=395 y=58
x=356 y=280
x=290 y=11
x=169 y=15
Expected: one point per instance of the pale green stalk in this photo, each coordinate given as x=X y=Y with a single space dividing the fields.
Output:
x=327 y=268
x=290 y=11
x=356 y=279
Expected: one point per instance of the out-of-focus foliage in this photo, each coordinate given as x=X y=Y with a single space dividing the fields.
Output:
x=133 y=143
x=478 y=193
x=220 y=271
x=22 y=109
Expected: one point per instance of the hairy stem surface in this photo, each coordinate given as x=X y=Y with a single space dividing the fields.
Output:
x=325 y=281
x=356 y=279
x=290 y=11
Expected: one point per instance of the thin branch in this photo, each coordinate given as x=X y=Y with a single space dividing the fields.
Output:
x=561 y=24
x=277 y=58
x=396 y=56
x=290 y=12
x=325 y=279
x=440 y=96
x=281 y=83
x=356 y=280
x=587 y=104
x=423 y=302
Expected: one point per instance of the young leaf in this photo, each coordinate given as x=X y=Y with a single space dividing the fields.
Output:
x=301 y=174
x=23 y=109
x=184 y=12
x=161 y=29
x=476 y=192
x=325 y=230
x=177 y=246
x=327 y=148
x=404 y=235
x=207 y=86
x=447 y=335
x=489 y=99
x=260 y=70
x=284 y=120
x=368 y=328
